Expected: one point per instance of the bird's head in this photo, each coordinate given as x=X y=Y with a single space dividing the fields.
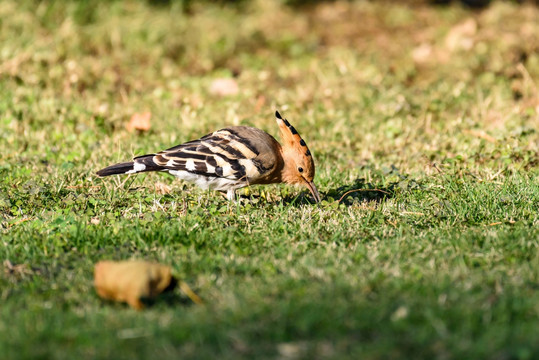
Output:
x=298 y=160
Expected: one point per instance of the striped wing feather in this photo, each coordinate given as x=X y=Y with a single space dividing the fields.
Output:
x=229 y=153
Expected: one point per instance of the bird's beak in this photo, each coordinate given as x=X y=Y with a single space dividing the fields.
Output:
x=314 y=191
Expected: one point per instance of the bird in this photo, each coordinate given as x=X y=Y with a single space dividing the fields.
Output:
x=232 y=158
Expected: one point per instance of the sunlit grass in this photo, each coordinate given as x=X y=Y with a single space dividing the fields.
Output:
x=425 y=137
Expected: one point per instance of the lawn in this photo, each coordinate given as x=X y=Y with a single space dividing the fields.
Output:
x=424 y=125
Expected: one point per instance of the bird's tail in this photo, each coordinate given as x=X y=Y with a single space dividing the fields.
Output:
x=116 y=169
x=140 y=164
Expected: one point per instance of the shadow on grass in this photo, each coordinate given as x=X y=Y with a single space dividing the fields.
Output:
x=171 y=296
x=358 y=191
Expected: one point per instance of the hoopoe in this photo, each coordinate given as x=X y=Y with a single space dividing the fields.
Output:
x=232 y=158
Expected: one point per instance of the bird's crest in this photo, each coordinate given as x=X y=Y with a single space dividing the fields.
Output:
x=291 y=137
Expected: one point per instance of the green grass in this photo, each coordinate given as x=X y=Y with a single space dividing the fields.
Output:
x=437 y=255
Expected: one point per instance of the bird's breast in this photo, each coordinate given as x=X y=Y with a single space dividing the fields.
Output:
x=208 y=182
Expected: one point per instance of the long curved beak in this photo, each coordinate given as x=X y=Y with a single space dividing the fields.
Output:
x=314 y=191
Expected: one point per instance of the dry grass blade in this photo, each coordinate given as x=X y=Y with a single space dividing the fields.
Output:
x=481 y=134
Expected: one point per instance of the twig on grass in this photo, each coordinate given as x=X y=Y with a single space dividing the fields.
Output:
x=440 y=171
x=18 y=222
x=190 y=293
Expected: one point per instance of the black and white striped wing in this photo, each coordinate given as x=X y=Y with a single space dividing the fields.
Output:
x=223 y=154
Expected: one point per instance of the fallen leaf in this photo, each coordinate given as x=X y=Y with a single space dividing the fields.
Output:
x=400 y=313
x=422 y=54
x=16 y=269
x=130 y=281
x=162 y=188
x=139 y=121
x=292 y=350
x=224 y=87
x=461 y=35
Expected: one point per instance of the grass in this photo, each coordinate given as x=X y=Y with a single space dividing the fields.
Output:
x=425 y=129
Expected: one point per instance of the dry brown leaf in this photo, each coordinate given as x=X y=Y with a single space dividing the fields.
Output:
x=140 y=122
x=461 y=35
x=130 y=281
x=423 y=54
x=162 y=188
x=16 y=269
x=224 y=87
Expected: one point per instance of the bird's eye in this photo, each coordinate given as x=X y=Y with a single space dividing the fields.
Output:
x=300 y=169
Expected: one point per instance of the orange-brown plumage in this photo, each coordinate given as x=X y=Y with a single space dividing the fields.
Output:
x=297 y=158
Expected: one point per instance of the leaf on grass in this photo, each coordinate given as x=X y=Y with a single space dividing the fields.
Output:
x=140 y=122
x=461 y=36
x=224 y=87
x=130 y=281
x=162 y=188
x=423 y=53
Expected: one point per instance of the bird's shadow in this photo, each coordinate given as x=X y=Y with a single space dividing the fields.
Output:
x=362 y=191
x=358 y=191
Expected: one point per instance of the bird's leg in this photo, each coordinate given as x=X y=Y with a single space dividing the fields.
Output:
x=231 y=194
